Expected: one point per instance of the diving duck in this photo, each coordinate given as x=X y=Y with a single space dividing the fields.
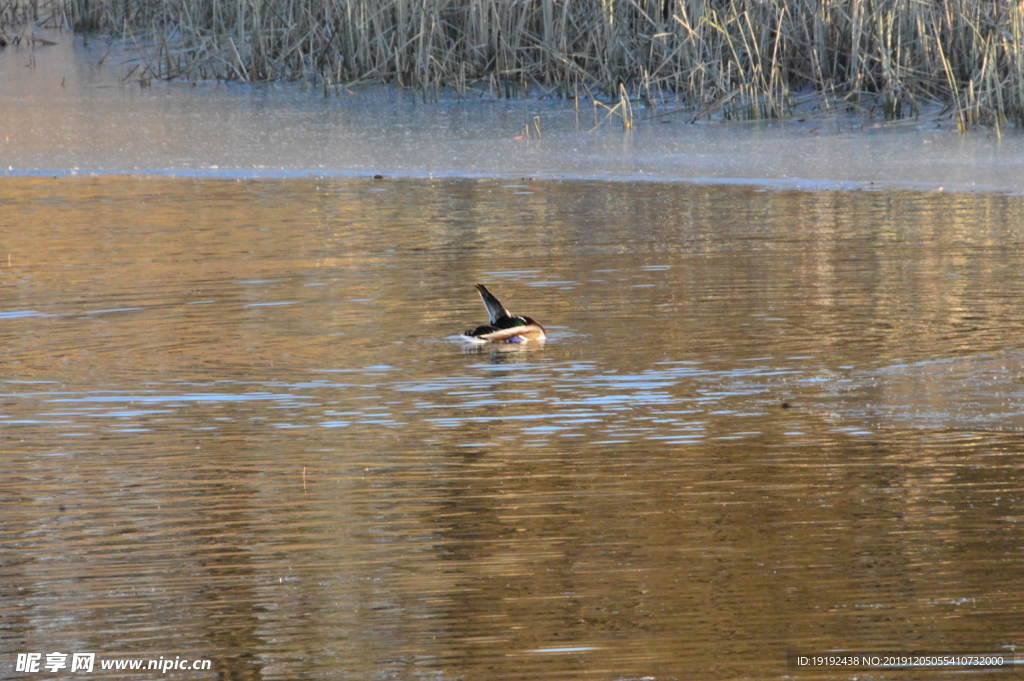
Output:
x=504 y=325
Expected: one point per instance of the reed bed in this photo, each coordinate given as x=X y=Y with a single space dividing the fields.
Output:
x=744 y=59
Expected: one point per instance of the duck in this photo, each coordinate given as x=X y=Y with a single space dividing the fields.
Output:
x=505 y=326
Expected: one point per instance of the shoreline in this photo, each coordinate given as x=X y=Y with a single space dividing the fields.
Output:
x=749 y=59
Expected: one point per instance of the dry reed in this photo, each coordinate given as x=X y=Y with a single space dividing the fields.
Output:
x=746 y=59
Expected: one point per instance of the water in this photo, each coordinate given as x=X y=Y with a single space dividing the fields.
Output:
x=239 y=425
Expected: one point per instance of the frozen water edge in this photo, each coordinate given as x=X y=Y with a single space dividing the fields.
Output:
x=765 y=183
x=65 y=117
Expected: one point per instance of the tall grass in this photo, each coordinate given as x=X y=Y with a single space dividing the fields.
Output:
x=746 y=58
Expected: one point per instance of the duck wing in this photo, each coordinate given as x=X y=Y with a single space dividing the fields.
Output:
x=495 y=310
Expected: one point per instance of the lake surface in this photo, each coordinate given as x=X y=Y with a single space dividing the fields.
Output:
x=239 y=424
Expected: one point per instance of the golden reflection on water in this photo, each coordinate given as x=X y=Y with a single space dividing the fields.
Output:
x=236 y=425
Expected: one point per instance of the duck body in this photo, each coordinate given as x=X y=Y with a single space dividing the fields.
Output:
x=504 y=326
